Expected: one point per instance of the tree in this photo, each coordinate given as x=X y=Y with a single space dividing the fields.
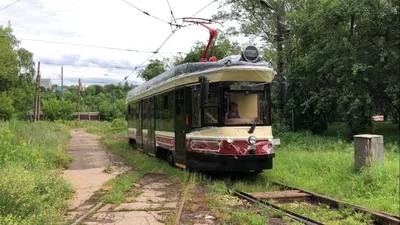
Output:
x=153 y=69
x=17 y=70
x=341 y=57
x=55 y=109
x=222 y=48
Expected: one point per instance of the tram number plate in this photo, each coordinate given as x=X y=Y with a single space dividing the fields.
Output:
x=251 y=147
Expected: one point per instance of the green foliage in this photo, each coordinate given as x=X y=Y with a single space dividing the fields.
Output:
x=341 y=57
x=153 y=69
x=31 y=191
x=109 y=100
x=17 y=70
x=223 y=48
x=58 y=109
x=118 y=190
x=6 y=107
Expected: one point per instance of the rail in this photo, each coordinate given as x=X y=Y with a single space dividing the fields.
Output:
x=380 y=218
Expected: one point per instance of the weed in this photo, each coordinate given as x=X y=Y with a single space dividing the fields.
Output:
x=32 y=192
x=108 y=170
x=118 y=190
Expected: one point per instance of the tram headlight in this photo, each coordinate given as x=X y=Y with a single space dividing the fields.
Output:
x=250 y=53
x=252 y=140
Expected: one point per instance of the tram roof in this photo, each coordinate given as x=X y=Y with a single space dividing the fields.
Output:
x=192 y=69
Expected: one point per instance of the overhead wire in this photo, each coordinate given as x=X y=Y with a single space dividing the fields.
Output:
x=170 y=35
x=5 y=7
x=92 y=46
x=204 y=8
x=172 y=13
x=155 y=52
x=150 y=15
x=102 y=66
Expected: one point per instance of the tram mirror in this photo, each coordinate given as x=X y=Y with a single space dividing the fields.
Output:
x=283 y=89
x=204 y=87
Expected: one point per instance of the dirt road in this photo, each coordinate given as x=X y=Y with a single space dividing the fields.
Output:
x=157 y=201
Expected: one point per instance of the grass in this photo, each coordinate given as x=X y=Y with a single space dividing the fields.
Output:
x=322 y=164
x=32 y=191
x=118 y=190
x=389 y=131
x=326 y=166
x=116 y=127
x=323 y=213
x=144 y=163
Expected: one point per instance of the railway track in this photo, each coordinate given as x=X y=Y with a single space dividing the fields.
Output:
x=289 y=194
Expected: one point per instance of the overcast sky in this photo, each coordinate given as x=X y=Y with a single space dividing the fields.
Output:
x=109 y=23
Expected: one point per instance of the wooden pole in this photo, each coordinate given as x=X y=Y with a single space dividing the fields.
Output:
x=62 y=84
x=36 y=113
x=79 y=100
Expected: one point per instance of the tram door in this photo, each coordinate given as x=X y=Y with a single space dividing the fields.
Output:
x=139 y=140
x=151 y=146
x=180 y=118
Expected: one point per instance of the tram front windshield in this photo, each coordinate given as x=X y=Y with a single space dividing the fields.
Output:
x=245 y=102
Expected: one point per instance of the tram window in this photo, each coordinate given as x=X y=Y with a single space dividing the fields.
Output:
x=165 y=101
x=212 y=108
x=196 y=107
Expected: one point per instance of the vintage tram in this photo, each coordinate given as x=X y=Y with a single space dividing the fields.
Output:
x=207 y=116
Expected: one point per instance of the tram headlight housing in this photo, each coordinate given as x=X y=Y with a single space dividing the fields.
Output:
x=252 y=140
x=250 y=53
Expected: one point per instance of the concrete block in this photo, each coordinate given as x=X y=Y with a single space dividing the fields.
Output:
x=368 y=150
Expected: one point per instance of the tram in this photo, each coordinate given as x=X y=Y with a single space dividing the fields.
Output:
x=207 y=116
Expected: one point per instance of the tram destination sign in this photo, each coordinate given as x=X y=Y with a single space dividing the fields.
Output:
x=246 y=86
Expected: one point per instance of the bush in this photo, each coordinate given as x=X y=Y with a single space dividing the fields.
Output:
x=58 y=109
x=30 y=192
x=119 y=122
x=6 y=107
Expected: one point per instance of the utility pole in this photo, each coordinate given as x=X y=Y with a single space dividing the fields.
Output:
x=79 y=100
x=36 y=113
x=62 y=84
x=279 y=39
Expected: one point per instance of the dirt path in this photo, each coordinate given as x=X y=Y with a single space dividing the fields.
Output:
x=158 y=197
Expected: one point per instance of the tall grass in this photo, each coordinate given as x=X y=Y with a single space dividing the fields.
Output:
x=326 y=165
x=31 y=190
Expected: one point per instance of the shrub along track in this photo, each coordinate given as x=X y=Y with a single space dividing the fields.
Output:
x=290 y=193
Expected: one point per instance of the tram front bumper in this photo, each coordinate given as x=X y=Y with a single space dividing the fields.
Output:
x=234 y=163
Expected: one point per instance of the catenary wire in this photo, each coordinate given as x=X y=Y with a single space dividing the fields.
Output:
x=155 y=52
x=204 y=8
x=150 y=15
x=162 y=20
x=165 y=41
x=92 y=46
x=5 y=7
x=113 y=67
x=172 y=13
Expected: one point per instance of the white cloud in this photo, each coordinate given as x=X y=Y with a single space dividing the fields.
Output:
x=111 y=23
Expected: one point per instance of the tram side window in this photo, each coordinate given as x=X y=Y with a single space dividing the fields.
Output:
x=211 y=109
x=132 y=114
x=164 y=112
x=160 y=112
x=170 y=112
x=196 y=110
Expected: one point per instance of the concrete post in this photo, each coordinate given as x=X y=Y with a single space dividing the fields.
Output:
x=368 y=150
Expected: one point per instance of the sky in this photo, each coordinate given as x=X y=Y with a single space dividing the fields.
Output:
x=108 y=23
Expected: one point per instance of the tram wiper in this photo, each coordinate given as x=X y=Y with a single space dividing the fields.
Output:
x=253 y=127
